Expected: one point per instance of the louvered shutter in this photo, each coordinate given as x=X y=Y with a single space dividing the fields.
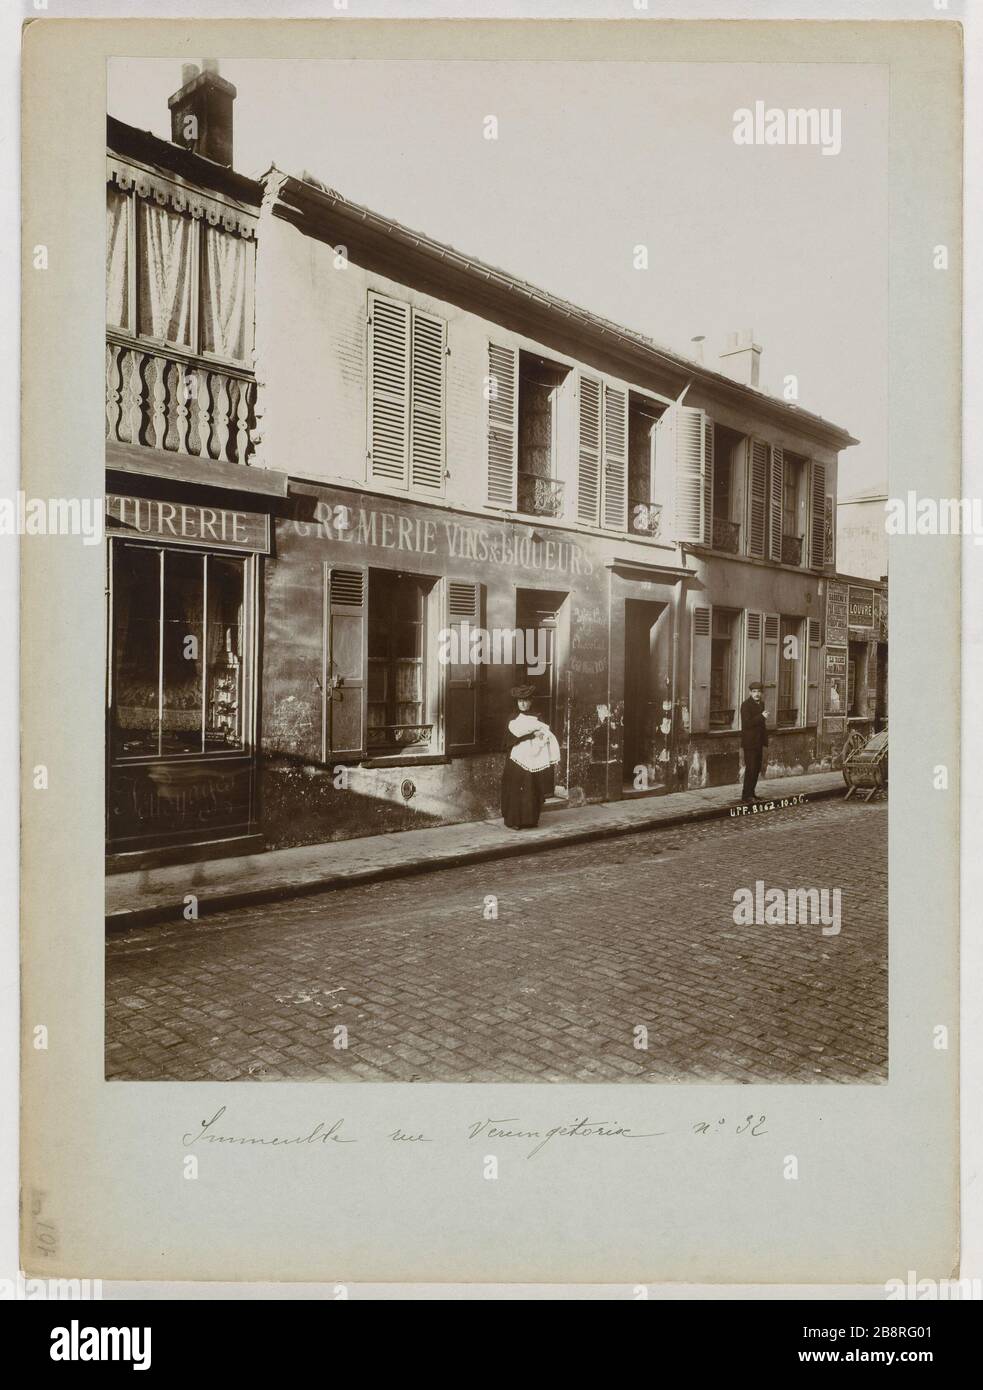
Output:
x=615 y=481
x=776 y=503
x=812 y=675
x=503 y=426
x=753 y=623
x=699 y=692
x=427 y=402
x=463 y=615
x=707 y=481
x=589 y=450
x=689 y=471
x=769 y=671
x=345 y=685
x=389 y=389
x=817 y=515
x=757 y=489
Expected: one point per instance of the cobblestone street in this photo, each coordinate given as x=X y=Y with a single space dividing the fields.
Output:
x=590 y=941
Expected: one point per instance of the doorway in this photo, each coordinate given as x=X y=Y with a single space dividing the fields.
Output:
x=647 y=751
x=547 y=614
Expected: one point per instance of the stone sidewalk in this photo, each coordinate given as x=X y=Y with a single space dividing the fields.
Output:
x=156 y=895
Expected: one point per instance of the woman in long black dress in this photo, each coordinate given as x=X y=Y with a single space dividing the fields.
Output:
x=531 y=755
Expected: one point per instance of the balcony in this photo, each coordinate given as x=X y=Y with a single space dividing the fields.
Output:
x=539 y=496
x=788 y=717
x=726 y=535
x=792 y=550
x=171 y=400
x=721 y=718
x=644 y=518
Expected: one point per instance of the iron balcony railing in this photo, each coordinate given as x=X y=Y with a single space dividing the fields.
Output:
x=791 y=550
x=540 y=496
x=644 y=518
x=726 y=535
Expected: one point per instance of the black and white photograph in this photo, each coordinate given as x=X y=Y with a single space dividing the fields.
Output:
x=496 y=594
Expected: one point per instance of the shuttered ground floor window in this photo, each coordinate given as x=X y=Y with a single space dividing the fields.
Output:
x=397 y=648
x=393 y=683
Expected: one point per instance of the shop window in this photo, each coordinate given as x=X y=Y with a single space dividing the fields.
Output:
x=724 y=662
x=397 y=656
x=789 y=672
x=177 y=668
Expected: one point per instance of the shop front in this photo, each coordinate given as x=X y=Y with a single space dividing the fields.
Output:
x=393 y=633
x=182 y=659
x=855 y=661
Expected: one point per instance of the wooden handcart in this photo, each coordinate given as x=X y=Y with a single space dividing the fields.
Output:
x=865 y=765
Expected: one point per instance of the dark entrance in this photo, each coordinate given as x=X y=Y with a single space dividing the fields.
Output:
x=547 y=614
x=648 y=696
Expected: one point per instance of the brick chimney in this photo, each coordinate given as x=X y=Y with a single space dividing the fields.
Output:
x=201 y=112
x=741 y=357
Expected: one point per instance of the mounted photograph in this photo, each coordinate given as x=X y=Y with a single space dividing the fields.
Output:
x=496 y=457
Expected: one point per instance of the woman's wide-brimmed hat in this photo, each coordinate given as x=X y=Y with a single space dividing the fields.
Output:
x=523 y=692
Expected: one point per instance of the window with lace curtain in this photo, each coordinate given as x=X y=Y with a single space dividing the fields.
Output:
x=177 y=280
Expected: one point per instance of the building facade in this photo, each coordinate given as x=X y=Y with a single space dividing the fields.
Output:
x=359 y=484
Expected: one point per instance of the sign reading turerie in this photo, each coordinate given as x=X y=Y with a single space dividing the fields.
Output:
x=186 y=523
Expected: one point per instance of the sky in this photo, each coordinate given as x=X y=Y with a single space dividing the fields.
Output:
x=593 y=160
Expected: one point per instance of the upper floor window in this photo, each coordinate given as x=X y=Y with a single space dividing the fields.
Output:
x=176 y=279
x=645 y=494
x=406 y=392
x=540 y=489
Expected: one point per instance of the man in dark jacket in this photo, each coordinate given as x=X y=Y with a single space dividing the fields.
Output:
x=754 y=739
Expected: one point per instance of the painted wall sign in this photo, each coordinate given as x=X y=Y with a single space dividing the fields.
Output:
x=186 y=523
x=860 y=610
x=836 y=614
x=366 y=528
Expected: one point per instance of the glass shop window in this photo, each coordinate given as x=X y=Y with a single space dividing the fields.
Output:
x=397 y=642
x=177 y=660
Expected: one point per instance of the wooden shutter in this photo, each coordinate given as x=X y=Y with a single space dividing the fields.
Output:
x=589 y=450
x=389 y=389
x=689 y=471
x=769 y=670
x=707 y=481
x=615 y=479
x=776 y=506
x=429 y=345
x=812 y=673
x=699 y=693
x=463 y=606
x=503 y=426
x=345 y=686
x=817 y=515
x=757 y=489
x=753 y=645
